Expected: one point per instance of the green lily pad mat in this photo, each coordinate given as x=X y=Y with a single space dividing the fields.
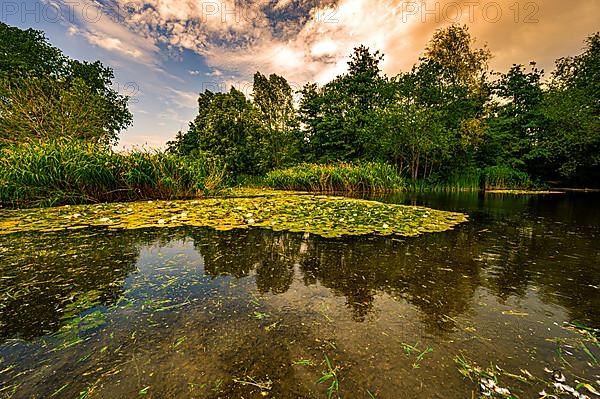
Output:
x=523 y=192
x=322 y=215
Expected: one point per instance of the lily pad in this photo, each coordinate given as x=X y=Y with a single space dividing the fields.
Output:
x=326 y=216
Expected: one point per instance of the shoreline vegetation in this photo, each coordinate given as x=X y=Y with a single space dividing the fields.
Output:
x=70 y=172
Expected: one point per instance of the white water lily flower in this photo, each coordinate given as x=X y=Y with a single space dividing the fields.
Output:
x=105 y=220
x=77 y=215
x=183 y=214
x=385 y=226
x=249 y=215
x=129 y=209
x=250 y=221
x=162 y=221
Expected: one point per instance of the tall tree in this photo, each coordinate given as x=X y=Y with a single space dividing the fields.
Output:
x=460 y=91
x=275 y=103
x=339 y=117
x=517 y=124
x=228 y=130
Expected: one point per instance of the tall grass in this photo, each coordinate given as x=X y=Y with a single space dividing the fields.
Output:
x=504 y=177
x=473 y=179
x=338 y=177
x=468 y=180
x=73 y=172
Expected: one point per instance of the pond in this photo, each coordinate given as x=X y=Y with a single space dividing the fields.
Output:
x=194 y=312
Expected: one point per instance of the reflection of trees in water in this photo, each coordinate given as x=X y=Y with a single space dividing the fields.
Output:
x=239 y=252
x=437 y=273
x=45 y=274
x=561 y=259
x=356 y=268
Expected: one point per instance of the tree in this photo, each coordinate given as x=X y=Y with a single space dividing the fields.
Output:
x=227 y=130
x=517 y=124
x=274 y=101
x=51 y=108
x=29 y=66
x=462 y=63
x=412 y=132
x=570 y=144
x=26 y=53
x=453 y=80
x=339 y=117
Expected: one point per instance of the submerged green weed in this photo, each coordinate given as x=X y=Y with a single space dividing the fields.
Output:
x=330 y=374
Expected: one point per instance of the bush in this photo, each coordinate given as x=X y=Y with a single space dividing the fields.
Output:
x=342 y=177
x=73 y=172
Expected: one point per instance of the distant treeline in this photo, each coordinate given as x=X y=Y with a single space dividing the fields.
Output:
x=449 y=122
x=449 y=116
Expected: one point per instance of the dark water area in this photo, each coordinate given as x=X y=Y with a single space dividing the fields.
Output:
x=198 y=313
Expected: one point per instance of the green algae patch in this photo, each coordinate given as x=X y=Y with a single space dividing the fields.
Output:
x=325 y=216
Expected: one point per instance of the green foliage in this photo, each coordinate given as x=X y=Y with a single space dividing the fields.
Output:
x=571 y=141
x=248 y=137
x=273 y=98
x=426 y=121
x=49 y=108
x=441 y=124
x=464 y=180
x=518 y=124
x=72 y=172
x=27 y=52
x=362 y=177
x=227 y=130
x=339 y=117
x=325 y=216
x=45 y=94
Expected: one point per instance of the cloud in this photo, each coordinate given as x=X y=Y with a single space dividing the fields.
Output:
x=183 y=99
x=104 y=31
x=310 y=40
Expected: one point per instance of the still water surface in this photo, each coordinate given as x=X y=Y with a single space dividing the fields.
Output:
x=178 y=313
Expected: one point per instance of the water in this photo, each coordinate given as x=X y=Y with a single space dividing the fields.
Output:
x=252 y=314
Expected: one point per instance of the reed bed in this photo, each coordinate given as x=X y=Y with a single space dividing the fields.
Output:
x=505 y=178
x=337 y=177
x=72 y=172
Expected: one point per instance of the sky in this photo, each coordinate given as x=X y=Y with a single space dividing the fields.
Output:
x=165 y=52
